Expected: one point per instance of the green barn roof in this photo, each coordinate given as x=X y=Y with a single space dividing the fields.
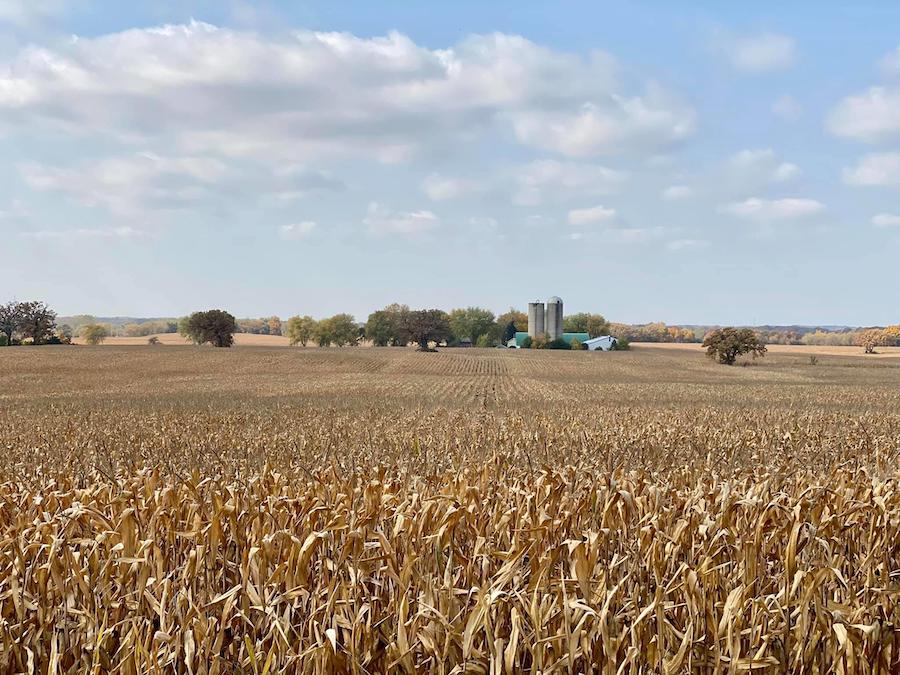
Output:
x=568 y=337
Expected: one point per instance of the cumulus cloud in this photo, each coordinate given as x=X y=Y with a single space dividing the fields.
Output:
x=886 y=220
x=382 y=220
x=762 y=53
x=676 y=192
x=441 y=188
x=645 y=123
x=876 y=169
x=239 y=93
x=296 y=231
x=146 y=181
x=592 y=215
x=544 y=179
x=127 y=184
x=760 y=166
x=872 y=116
x=770 y=210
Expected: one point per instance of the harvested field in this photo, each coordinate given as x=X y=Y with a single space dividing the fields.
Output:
x=381 y=510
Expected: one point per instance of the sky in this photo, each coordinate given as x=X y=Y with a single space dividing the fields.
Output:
x=688 y=162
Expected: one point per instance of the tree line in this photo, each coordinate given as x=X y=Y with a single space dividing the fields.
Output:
x=32 y=322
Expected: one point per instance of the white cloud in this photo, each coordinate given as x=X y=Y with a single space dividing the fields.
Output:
x=787 y=108
x=875 y=169
x=313 y=93
x=871 y=116
x=441 y=188
x=687 y=244
x=769 y=210
x=381 y=220
x=755 y=166
x=676 y=192
x=589 y=216
x=762 y=53
x=645 y=123
x=148 y=182
x=543 y=179
x=123 y=232
x=296 y=231
x=886 y=220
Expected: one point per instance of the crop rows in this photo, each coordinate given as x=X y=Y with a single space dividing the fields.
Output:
x=270 y=515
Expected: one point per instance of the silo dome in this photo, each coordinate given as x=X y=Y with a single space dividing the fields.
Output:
x=555 y=299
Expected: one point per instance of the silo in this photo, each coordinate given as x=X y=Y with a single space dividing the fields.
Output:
x=535 y=318
x=554 y=321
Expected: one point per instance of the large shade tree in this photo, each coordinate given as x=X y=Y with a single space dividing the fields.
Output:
x=37 y=322
x=424 y=326
x=725 y=345
x=214 y=326
x=300 y=330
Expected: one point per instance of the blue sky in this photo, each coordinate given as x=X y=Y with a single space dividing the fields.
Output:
x=686 y=162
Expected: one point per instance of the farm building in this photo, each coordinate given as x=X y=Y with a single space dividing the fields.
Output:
x=517 y=341
x=604 y=343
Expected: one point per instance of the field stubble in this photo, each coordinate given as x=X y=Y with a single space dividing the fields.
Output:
x=379 y=510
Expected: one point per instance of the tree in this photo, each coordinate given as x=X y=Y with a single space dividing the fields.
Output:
x=726 y=344
x=152 y=340
x=471 y=322
x=94 y=333
x=300 y=330
x=184 y=329
x=892 y=335
x=870 y=339
x=274 y=324
x=343 y=330
x=10 y=318
x=594 y=325
x=36 y=321
x=509 y=332
x=214 y=326
x=515 y=317
x=426 y=325
x=385 y=327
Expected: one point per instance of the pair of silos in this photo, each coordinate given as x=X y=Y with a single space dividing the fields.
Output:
x=547 y=319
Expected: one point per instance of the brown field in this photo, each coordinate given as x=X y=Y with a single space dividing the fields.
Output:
x=381 y=510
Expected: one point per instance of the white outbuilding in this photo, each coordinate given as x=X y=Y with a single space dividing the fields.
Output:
x=604 y=343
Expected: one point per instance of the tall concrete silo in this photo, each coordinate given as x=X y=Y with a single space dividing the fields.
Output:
x=535 y=318
x=554 y=321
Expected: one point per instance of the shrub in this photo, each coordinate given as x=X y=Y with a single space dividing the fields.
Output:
x=540 y=342
x=558 y=343
x=577 y=345
x=153 y=340
x=527 y=343
x=3 y=341
x=621 y=345
x=484 y=341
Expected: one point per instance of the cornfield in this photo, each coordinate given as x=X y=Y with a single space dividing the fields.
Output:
x=372 y=511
